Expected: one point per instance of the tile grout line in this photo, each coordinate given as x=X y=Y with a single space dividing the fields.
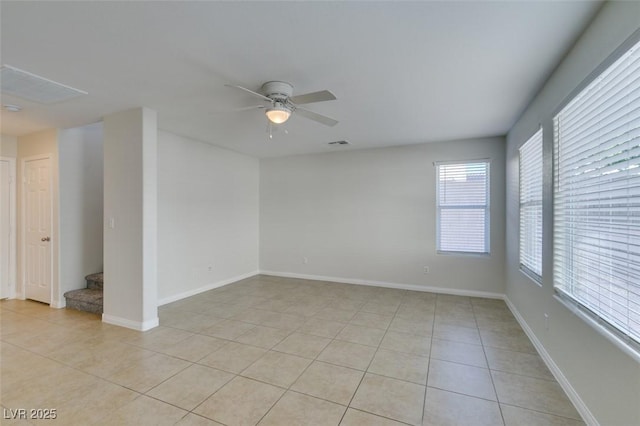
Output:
x=364 y=374
x=366 y=371
x=302 y=373
x=486 y=359
x=289 y=387
x=426 y=383
x=315 y=359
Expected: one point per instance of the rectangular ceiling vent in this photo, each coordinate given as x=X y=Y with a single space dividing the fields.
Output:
x=334 y=143
x=31 y=87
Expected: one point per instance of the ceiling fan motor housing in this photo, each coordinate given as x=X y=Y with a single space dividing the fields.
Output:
x=277 y=90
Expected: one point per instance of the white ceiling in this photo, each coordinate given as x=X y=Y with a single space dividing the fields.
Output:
x=403 y=72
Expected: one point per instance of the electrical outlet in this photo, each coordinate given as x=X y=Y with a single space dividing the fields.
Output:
x=426 y=269
x=305 y=260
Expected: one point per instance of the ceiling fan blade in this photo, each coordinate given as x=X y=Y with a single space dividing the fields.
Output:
x=248 y=108
x=249 y=91
x=307 y=98
x=316 y=117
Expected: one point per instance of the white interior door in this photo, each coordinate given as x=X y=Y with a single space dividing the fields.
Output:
x=7 y=220
x=37 y=229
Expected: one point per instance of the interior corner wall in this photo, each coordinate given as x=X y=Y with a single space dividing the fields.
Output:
x=81 y=204
x=207 y=216
x=369 y=216
x=605 y=380
x=37 y=144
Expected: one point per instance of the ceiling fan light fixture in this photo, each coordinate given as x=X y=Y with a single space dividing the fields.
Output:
x=278 y=114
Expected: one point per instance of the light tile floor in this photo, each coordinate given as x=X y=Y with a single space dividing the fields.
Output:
x=277 y=351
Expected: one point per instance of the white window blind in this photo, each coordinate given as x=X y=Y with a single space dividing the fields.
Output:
x=597 y=198
x=531 y=206
x=463 y=207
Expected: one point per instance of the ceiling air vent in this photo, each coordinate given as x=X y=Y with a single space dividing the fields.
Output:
x=34 y=88
x=335 y=143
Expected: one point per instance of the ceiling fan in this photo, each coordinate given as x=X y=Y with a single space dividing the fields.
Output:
x=281 y=104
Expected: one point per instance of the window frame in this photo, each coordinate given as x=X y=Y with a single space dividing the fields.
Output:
x=486 y=206
x=537 y=137
x=599 y=324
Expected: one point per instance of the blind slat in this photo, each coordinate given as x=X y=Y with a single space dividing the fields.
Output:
x=597 y=197
x=463 y=207
x=530 y=161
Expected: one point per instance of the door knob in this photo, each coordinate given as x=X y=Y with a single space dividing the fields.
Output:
x=45 y=239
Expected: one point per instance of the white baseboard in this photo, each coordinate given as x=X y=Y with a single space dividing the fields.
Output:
x=135 y=325
x=582 y=408
x=57 y=304
x=413 y=287
x=207 y=287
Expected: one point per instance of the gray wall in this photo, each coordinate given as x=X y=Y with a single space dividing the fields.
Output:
x=81 y=168
x=207 y=216
x=603 y=380
x=369 y=216
x=130 y=207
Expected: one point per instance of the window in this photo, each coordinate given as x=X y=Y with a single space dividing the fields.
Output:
x=531 y=206
x=597 y=199
x=463 y=207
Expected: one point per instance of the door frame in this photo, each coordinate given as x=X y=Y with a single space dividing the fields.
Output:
x=12 y=226
x=23 y=224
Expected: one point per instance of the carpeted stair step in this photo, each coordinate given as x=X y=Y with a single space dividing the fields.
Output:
x=85 y=299
x=95 y=280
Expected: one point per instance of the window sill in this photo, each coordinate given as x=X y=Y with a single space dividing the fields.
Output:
x=537 y=279
x=463 y=253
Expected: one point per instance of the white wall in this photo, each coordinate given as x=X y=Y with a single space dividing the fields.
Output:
x=35 y=144
x=8 y=146
x=369 y=215
x=207 y=216
x=130 y=209
x=81 y=168
x=601 y=376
